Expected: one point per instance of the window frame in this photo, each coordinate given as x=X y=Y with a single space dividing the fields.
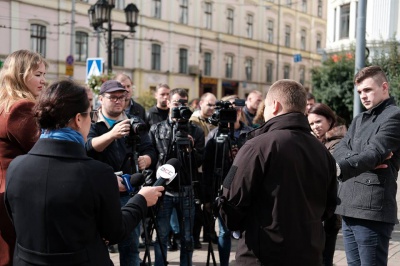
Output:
x=155 y=56
x=81 y=46
x=38 y=38
x=183 y=60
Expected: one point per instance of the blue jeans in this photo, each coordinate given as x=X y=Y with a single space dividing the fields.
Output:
x=224 y=243
x=174 y=222
x=185 y=218
x=366 y=242
x=129 y=247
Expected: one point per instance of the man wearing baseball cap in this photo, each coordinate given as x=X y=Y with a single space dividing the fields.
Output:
x=109 y=142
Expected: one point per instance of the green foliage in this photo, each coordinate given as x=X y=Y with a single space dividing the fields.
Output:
x=147 y=100
x=94 y=82
x=333 y=81
x=333 y=85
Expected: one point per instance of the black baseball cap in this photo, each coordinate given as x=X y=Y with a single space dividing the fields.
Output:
x=110 y=86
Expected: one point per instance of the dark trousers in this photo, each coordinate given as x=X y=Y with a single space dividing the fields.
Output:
x=366 y=242
x=331 y=228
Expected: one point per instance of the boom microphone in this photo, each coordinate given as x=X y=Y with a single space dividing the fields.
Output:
x=167 y=172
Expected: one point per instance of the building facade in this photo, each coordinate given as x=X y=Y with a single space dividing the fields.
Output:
x=220 y=46
x=382 y=24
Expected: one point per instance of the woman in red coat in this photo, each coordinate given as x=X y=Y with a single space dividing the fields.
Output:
x=21 y=80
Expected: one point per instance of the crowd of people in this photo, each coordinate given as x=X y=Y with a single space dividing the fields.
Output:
x=280 y=175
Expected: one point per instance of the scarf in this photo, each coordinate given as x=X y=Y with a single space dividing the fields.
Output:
x=65 y=133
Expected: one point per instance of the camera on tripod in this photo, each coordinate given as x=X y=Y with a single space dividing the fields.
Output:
x=137 y=127
x=181 y=113
x=225 y=112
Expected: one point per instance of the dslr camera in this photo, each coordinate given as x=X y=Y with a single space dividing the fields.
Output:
x=137 y=127
x=225 y=112
x=181 y=113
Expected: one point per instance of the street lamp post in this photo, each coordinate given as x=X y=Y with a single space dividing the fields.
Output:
x=100 y=13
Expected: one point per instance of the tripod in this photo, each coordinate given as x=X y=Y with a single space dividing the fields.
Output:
x=179 y=194
x=222 y=152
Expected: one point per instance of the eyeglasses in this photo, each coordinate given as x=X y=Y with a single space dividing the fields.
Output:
x=115 y=98
x=93 y=115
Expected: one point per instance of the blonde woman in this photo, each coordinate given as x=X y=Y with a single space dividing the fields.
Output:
x=22 y=78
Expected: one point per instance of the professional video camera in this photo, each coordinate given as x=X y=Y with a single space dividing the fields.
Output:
x=225 y=112
x=137 y=127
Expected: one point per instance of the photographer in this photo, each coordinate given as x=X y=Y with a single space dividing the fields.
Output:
x=167 y=137
x=112 y=140
x=222 y=155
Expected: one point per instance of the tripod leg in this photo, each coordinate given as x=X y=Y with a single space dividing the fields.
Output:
x=210 y=251
x=147 y=244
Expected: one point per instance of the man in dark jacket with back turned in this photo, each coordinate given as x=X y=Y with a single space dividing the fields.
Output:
x=281 y=186
x=369 y=159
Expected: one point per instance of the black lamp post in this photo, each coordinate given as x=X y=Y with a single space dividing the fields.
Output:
x=100 y=13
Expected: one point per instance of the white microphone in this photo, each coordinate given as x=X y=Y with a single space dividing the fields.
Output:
x=167 y=172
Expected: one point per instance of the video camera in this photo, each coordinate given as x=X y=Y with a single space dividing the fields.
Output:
x=225 y=112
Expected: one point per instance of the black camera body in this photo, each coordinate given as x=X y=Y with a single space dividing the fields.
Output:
x=181 y=113
x=137 y=127
x=225 y=112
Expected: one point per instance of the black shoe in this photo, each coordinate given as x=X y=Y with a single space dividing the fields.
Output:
x=142 y=245
x=112 y=249
x=197 y=245
x=172 y=246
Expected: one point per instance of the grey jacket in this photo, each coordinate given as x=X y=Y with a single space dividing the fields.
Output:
x=365 y=192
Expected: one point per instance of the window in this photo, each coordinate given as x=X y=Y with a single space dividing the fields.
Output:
x=207 y=64
x=303 y=39
x=155 y=57
x=344 y=21
x=288 y=2
x=229 y=66
x=81 y=46
x=184 y=12
x=208 y=16
x=183 y=58
x=249 y=69
x=287 y=35
x=286 y=72
x=320 y=8
x=270 y=31
x=249 y=26
x=269 y=72
x=302 y=75
x=119 y=46
x=304 y=6
x=38 y=39
x=120 y=4
x=230 y=21
x=157 y=8
x=318 y=44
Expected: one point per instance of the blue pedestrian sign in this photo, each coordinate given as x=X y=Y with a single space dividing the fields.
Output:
x=297 y=58
x=94 y=67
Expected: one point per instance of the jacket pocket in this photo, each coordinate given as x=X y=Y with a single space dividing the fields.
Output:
x=369 y=191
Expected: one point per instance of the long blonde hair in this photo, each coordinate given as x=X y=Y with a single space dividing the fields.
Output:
x=14 y=74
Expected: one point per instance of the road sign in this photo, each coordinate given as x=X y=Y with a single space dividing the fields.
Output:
x=70 y=60
x=94 y=67
x=69 y=70
x=69 y=66
x=297 y=58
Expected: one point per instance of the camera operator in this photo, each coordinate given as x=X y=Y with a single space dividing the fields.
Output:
x=111 y=140
x=235 y=139
x=165 y=136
